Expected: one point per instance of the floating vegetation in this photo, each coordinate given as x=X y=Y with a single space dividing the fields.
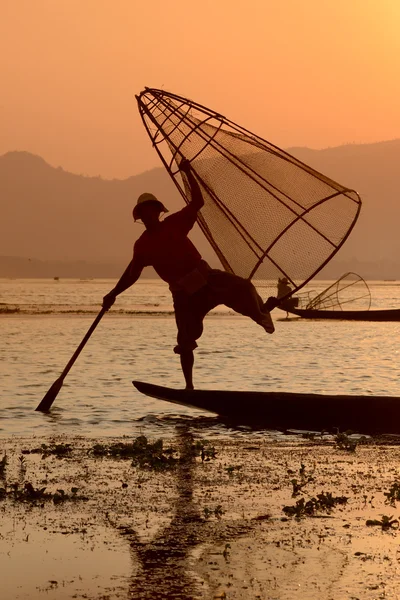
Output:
x=217 y=512
x=28 y=493
x=309 y=435
x=58 y=450
x=226 y=551
x=62 y=496
x=305 y=478
x=144 y=454
x=6 y=310
x=203 y=449
x=387 y=522
x=232 y=469
x=393 y=494
x=343 y=442
x=323 y=502
x=3 y=464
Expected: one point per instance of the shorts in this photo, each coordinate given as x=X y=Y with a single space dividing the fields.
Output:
x=221 y=287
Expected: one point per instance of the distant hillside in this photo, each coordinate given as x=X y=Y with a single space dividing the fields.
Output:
x=51 y=215
x=373 y=170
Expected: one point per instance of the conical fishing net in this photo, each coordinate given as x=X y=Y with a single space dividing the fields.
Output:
x=267 y=215
x=350 y=292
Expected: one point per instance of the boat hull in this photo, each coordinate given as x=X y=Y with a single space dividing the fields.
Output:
x=348 y=315
x=284 y=410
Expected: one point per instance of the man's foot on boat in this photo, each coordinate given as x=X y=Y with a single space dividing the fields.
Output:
x=267 y=323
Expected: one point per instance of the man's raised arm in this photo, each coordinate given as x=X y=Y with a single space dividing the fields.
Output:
x=128 y=278
x=197 y=198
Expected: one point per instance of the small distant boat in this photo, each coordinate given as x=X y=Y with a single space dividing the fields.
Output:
x=333 y=302
x=348 y=315
x=284 y=410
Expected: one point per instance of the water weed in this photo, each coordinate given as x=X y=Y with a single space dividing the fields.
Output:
x=144 y=454
x=386 y=522
x=322 y=502
x=393 y=494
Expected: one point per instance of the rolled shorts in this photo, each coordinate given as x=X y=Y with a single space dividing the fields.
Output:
x=233 y=291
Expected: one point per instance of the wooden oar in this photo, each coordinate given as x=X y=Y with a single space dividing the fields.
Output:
x=51 y=395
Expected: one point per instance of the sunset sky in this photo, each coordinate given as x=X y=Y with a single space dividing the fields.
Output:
x=311 y=73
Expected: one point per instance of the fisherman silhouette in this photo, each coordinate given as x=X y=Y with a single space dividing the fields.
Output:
x=196 y=288
x=283 y=288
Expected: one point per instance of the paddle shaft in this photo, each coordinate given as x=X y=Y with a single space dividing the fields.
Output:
x=51 y=395
x=82 y=344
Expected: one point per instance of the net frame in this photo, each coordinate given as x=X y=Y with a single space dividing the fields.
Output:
x=167 y=104
x=329 y=299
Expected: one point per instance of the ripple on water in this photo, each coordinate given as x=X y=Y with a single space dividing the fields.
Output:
x=234 y=354
x=60 y=567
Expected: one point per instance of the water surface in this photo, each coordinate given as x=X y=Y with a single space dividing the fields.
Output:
x=98 y=398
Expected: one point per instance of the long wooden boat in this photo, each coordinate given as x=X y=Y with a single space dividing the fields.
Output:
x=391 y=314
x=284 y=410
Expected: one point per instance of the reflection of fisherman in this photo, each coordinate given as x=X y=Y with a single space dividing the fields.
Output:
x=196 y=287
x=283 y=288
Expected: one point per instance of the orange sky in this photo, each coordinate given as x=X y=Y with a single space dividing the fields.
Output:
x=300 y=72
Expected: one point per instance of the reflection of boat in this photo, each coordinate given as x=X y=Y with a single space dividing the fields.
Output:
x=283 y=410
x=333 y=303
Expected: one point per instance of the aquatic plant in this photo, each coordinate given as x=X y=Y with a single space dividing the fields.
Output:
x=387 y=522
x=323 y=501
x=343 y=442
x=217 y=512
x=204 y=449
x=393 y=494
x=230 y=470
x=22 y=464
x=3 y=464
x=6 y=310
x=309 y=435
x=57 y=450
x=144 y=454
x=28 y=493
x=305 y=479
x=226 y=551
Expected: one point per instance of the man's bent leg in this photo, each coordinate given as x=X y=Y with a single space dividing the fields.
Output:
x=241 y=295
x=187 y=362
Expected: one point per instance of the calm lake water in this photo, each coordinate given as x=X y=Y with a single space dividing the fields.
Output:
x=135 y=341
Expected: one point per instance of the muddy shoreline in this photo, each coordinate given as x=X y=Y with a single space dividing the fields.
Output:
x=188 y=518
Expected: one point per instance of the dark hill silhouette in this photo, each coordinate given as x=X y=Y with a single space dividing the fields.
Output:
x=52 y=215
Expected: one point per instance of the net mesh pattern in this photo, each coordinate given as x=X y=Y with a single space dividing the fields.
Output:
x=350 y=292
x=266 y=214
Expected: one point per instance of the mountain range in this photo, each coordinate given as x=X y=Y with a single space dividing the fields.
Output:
x=56 y=223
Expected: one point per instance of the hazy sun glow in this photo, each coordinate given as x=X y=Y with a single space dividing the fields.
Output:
x=298 y=73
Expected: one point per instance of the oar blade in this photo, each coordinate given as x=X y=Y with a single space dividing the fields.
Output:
x=50 y=396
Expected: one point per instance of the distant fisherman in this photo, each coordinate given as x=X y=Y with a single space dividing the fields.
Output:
x=196 y=287
x=283 y=289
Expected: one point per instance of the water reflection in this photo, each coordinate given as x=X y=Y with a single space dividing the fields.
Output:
x=165 y=563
